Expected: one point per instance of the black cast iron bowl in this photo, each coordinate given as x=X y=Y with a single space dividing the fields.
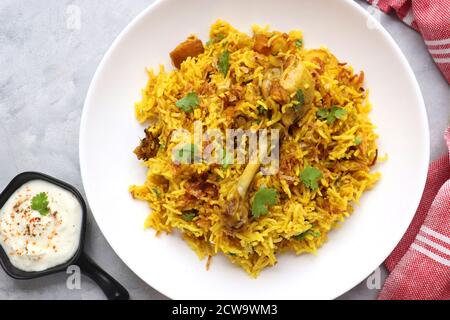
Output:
x=112 y=289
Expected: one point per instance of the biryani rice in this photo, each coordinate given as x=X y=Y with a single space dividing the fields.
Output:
x=344 y=150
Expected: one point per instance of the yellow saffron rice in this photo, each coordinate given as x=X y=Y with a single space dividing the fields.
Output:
x=192 y=198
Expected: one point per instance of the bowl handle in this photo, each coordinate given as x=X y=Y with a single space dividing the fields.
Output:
x=110 y=287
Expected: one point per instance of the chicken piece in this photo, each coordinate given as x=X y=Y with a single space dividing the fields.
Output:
x=295 y=76
x=278 y=93
x=191 y=47
x=271 y=86
x=261 y=44
x=270 y=76
x=321 y=54
x=237 y=210
x=322 y=58
x=297 y=79
x=148 y=148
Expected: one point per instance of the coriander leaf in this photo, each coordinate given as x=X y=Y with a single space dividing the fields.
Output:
x=263 y=198
x=358 y=140
x=219 y=37
x=189 y=215
x=310 y=177
x=299 y=43
x=224 y=62
x=332 y=114
x=186 y=154
x=323 y=113
x=331 y=118
x=40 y=203
x=188 y=103
x=339 y=113
x=262 y=110
x=300 y=97
x=302 y=235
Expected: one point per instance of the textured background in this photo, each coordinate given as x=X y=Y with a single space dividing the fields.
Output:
x=45 y=69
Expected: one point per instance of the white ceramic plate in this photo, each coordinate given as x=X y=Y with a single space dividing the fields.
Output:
x=109 y=133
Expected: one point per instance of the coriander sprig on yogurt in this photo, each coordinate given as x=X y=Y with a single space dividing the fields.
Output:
x=40 y=203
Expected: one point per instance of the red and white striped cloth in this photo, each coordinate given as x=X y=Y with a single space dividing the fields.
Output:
x=432 y=19
x=420 y=264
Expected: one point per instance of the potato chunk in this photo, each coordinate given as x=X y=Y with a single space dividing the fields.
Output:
x=191 y=47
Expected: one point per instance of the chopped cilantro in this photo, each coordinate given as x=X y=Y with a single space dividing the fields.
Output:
x=262 y=110
x=189 y=215
x=300 y=97
x=40 y=203
x=299 y=43
x=224 y=62
x=302 y=235
x=339 y=113
x=263 y=198
x=358 y=140
x=332 y=114
x=310 y=177
x=323 y=113
x=189 y=102
x=219 y=37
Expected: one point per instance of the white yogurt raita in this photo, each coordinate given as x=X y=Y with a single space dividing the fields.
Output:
x=34 y=241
